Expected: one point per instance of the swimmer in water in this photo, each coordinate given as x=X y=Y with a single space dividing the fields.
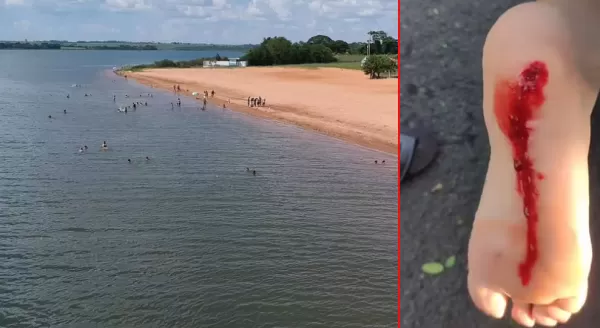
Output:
x=375 y=161
x=253 y=172
x=104 y=145
x=85 y=147
x=81 y=150
x=129 y=160
x=147 y=158
x=247 y=169
x=68 y=96
x=65 y=111
x=49 y=116
x=383 y=162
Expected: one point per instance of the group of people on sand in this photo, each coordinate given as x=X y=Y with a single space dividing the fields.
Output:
x=256 y=101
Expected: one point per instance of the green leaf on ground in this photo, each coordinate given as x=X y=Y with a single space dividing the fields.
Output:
x=450 y=262
x=433 y=268
x=437 y=187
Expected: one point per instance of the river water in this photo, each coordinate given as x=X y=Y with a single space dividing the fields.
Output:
x=188 y=238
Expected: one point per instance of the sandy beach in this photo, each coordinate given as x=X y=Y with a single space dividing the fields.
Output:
x=343 y=104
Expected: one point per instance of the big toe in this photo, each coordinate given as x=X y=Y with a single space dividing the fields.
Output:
x=489 y=301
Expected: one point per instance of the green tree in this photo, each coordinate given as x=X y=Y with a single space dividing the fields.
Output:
x=320 y=39
x=340 y=47
x=280 y=51
x=375 y=65
x=383 y=43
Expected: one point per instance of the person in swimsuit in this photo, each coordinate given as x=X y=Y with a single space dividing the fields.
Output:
x=530 y=241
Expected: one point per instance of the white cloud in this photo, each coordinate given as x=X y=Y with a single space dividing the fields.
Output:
x=252 y=9
x=200 y=20
x=281 y=8
x=351 y=8
x=219 y=4
x=14 y=2
x=121 y=5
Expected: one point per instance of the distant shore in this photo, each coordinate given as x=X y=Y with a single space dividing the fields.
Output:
x=340 y=103
x=124 y=46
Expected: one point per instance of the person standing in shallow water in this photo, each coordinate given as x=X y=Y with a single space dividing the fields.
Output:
x=547 y=54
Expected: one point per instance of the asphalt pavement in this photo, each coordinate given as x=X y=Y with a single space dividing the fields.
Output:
x=441 y=87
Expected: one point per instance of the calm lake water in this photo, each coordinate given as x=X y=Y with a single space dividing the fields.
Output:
x=189 y=238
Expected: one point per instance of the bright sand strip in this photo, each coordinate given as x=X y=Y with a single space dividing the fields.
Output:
x=344 y=104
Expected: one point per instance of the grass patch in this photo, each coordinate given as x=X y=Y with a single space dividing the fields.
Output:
x=345 y=58
x=344 y=65
x=344 y=61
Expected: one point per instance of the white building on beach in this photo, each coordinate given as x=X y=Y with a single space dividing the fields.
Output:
x=232 y=62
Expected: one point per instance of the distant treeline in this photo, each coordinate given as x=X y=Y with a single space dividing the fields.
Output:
x=110 y=47
x=27 y=45
x=281 y=51
x=271 y=51
x=167 y=63
x=317 y=49
x=380 y=44
x=118 y=45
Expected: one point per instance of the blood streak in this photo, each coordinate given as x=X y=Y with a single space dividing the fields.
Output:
x=516 y=104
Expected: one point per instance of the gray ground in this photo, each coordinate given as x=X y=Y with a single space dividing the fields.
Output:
x=441 y=86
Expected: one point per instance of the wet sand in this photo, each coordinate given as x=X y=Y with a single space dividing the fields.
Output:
x=343 y=104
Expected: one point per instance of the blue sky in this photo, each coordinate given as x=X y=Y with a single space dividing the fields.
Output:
x=202 y=21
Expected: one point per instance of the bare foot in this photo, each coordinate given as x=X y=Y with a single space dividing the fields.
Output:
x=555 y=239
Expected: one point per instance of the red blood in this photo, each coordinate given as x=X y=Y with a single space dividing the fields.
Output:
x=516 y=103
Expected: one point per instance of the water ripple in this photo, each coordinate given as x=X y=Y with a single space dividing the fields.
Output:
x=189 y=238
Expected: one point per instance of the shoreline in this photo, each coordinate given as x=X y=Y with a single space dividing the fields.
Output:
x=347 y=121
